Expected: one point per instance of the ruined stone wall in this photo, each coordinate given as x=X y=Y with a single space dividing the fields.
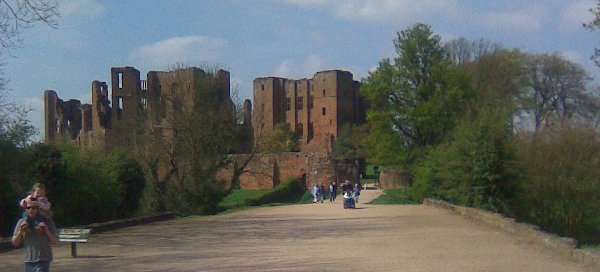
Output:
x=62 y=117
x=115 y=120
x=314 y=108
x=268 y=170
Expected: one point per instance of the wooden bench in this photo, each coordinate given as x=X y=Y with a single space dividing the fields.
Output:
x=74 y=236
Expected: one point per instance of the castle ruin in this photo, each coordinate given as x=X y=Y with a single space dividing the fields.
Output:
x=110 y=121
x=315 y=109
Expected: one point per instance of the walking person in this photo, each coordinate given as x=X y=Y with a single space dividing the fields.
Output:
x=332 y=192
x=357 y=190
x=315 y=193
x=37 y=233
x=321 y=193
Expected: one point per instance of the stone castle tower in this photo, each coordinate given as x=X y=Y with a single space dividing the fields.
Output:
x=315 y=108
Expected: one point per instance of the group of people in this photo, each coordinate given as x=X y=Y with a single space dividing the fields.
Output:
x=35 y=230
x=319 y=193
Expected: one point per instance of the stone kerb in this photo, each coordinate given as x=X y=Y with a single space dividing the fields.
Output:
x=565 y=247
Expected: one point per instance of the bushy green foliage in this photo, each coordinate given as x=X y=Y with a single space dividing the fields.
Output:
x=281 y=139
x=560 y=182
x=130 y=178
x=87 y=192
x=473 y=169
x=84 y=186
x=415 y=100
x=350 y=143
x=15 y=181
x=289 y=191
x=181 y=160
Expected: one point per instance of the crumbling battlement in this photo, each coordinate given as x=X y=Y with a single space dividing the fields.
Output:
x=110 y=119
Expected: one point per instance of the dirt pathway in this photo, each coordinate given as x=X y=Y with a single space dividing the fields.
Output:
x=311 y=237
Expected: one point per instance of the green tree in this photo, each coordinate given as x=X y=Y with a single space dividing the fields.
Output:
x=558 y=91
x=350 y=143
x=188 y=142
x=559 y=187
x=415 y=99
x=474 y=167
x=281 y=139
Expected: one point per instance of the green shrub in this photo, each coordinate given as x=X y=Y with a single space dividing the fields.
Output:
x=560 y=185
x=15 y=182
x=473 y=169
x=129 y=176
x=289 y=191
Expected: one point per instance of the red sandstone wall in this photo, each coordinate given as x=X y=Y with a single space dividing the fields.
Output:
x=267 y=170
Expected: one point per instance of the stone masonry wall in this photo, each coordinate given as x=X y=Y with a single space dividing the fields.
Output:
x=266 y=171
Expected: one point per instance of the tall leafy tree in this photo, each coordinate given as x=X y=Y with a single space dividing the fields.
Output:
x=558 y=90
x=415 y=98
x=184 y=146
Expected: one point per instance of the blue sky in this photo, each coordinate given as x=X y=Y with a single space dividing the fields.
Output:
x=293 y=38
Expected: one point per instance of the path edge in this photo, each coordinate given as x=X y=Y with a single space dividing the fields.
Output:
x=566 y=247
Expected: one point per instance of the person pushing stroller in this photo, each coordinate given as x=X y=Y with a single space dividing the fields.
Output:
x=348 y=195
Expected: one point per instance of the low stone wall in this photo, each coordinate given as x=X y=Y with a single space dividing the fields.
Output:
x=6 y=245
x=265 y=171
x=393 y=179
x=565 y=247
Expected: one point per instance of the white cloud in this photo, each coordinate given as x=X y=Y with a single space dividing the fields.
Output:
x=188 y=50
x=313 y=64
x=309 y=3
x=575 y=14
x=391 y=10
x=283 y=69
x=527 y=18
x=81 y=7
x=292 y=68
x=524 y=20
x=397 y=11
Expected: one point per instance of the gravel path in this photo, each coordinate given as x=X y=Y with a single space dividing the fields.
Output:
x=311 y=237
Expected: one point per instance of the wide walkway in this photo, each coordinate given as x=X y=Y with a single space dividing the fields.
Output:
x=311 y=237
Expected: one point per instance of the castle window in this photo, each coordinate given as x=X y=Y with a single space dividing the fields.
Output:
x=311 y=101
x=262 y=87
x=119 y=107
x=299 y=102
x=299 y=130
x=120 y=80
x=323 y=92
x=324 y=111
x=289 y=103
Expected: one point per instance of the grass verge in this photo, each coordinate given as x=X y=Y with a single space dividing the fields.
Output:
x=394 y=196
